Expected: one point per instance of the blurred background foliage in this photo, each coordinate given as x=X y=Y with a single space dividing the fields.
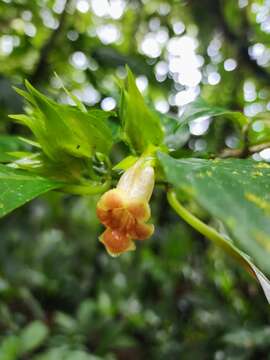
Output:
x=177 y=296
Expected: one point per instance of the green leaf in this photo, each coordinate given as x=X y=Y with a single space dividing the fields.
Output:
x=63 y=353
x=9 y=144
x=249 y=338
x=9 y=348
x=259 y=130
x=77 y=101
x=18 y=187
x=66 y=322
x=126 y=163
x=235 y=191
x=142 y=126
x=221 y=240
x=200 y=108
x=33 y=336
x=175 y=136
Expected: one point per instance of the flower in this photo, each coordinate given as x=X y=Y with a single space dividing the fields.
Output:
x=125 y=210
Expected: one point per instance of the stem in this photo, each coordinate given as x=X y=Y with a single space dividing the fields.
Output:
x=87 y=188
x=209 y=232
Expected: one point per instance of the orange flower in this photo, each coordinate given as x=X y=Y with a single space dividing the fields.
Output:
x=125 y=210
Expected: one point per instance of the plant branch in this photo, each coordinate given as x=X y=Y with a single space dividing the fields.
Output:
x=227 y=153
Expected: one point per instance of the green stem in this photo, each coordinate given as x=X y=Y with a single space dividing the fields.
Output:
x=87 y=188
x=210 y=233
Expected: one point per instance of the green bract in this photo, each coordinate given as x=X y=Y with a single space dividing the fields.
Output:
x=141 y=126
x=10 y=144
x=64 y=132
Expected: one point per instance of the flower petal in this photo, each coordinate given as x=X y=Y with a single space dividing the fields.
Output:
x=109 y=208
x=125 y=209
x=112 y=199
x=140 y=210
x=142 y=231
x=116 y=243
